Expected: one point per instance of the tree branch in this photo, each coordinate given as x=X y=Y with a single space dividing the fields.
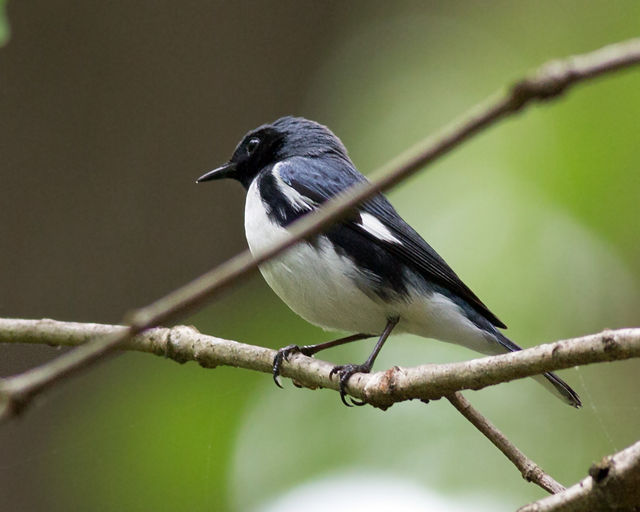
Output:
x=380 y=389
x=547 y=82
x=530 y=471
x=612 y=484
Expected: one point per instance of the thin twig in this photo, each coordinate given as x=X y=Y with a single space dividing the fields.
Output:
x=613 y=484
x=548 y=82
x=530 y=471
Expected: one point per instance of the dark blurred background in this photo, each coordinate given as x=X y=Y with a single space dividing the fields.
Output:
x=108 y=113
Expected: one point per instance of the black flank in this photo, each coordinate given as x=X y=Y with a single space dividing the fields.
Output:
x=374 y=260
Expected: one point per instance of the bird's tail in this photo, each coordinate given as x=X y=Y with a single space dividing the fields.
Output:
x=549 y=380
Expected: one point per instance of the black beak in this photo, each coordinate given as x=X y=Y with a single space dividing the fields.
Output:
x=225 y=171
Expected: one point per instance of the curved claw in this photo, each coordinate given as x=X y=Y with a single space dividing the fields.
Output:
x=345 y=372
x=334 y=370
x=344 y=399
x=281 y=355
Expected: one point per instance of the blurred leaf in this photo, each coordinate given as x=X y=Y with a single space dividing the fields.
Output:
x=158 y=435
x=5 y=32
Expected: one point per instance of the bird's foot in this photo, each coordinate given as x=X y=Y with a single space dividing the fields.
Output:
x=283 y=354
x=345 y=371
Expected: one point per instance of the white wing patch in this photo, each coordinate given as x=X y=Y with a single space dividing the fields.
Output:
x=294 y=197
x=372 y=225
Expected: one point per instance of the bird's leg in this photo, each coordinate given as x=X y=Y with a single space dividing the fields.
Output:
x=308 y=350
x=347 y=370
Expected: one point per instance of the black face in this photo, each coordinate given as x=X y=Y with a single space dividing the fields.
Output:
x=285 y=138
x=257 y=150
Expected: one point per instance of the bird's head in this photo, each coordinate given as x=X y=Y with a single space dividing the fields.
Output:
x=271 y=143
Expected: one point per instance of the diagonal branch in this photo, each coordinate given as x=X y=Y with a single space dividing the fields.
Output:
x=547 y=82
x=530 y=471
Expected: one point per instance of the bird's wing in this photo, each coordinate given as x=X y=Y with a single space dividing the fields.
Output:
x=378 y=221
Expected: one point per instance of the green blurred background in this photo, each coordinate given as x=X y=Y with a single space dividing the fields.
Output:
x=110 y=110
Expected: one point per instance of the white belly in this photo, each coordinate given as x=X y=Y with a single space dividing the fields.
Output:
x=318 y=284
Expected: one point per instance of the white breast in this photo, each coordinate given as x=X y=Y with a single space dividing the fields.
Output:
x=318 y=284
x=313 y=281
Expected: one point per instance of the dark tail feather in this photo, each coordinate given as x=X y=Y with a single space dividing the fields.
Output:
x=549 y=380
x=562 y=389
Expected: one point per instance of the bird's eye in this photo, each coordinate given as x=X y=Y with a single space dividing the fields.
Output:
x=252 y=145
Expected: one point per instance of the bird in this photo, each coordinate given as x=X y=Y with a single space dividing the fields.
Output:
x=371 y=273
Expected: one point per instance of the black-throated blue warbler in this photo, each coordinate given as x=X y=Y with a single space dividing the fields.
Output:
x=369 y=274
